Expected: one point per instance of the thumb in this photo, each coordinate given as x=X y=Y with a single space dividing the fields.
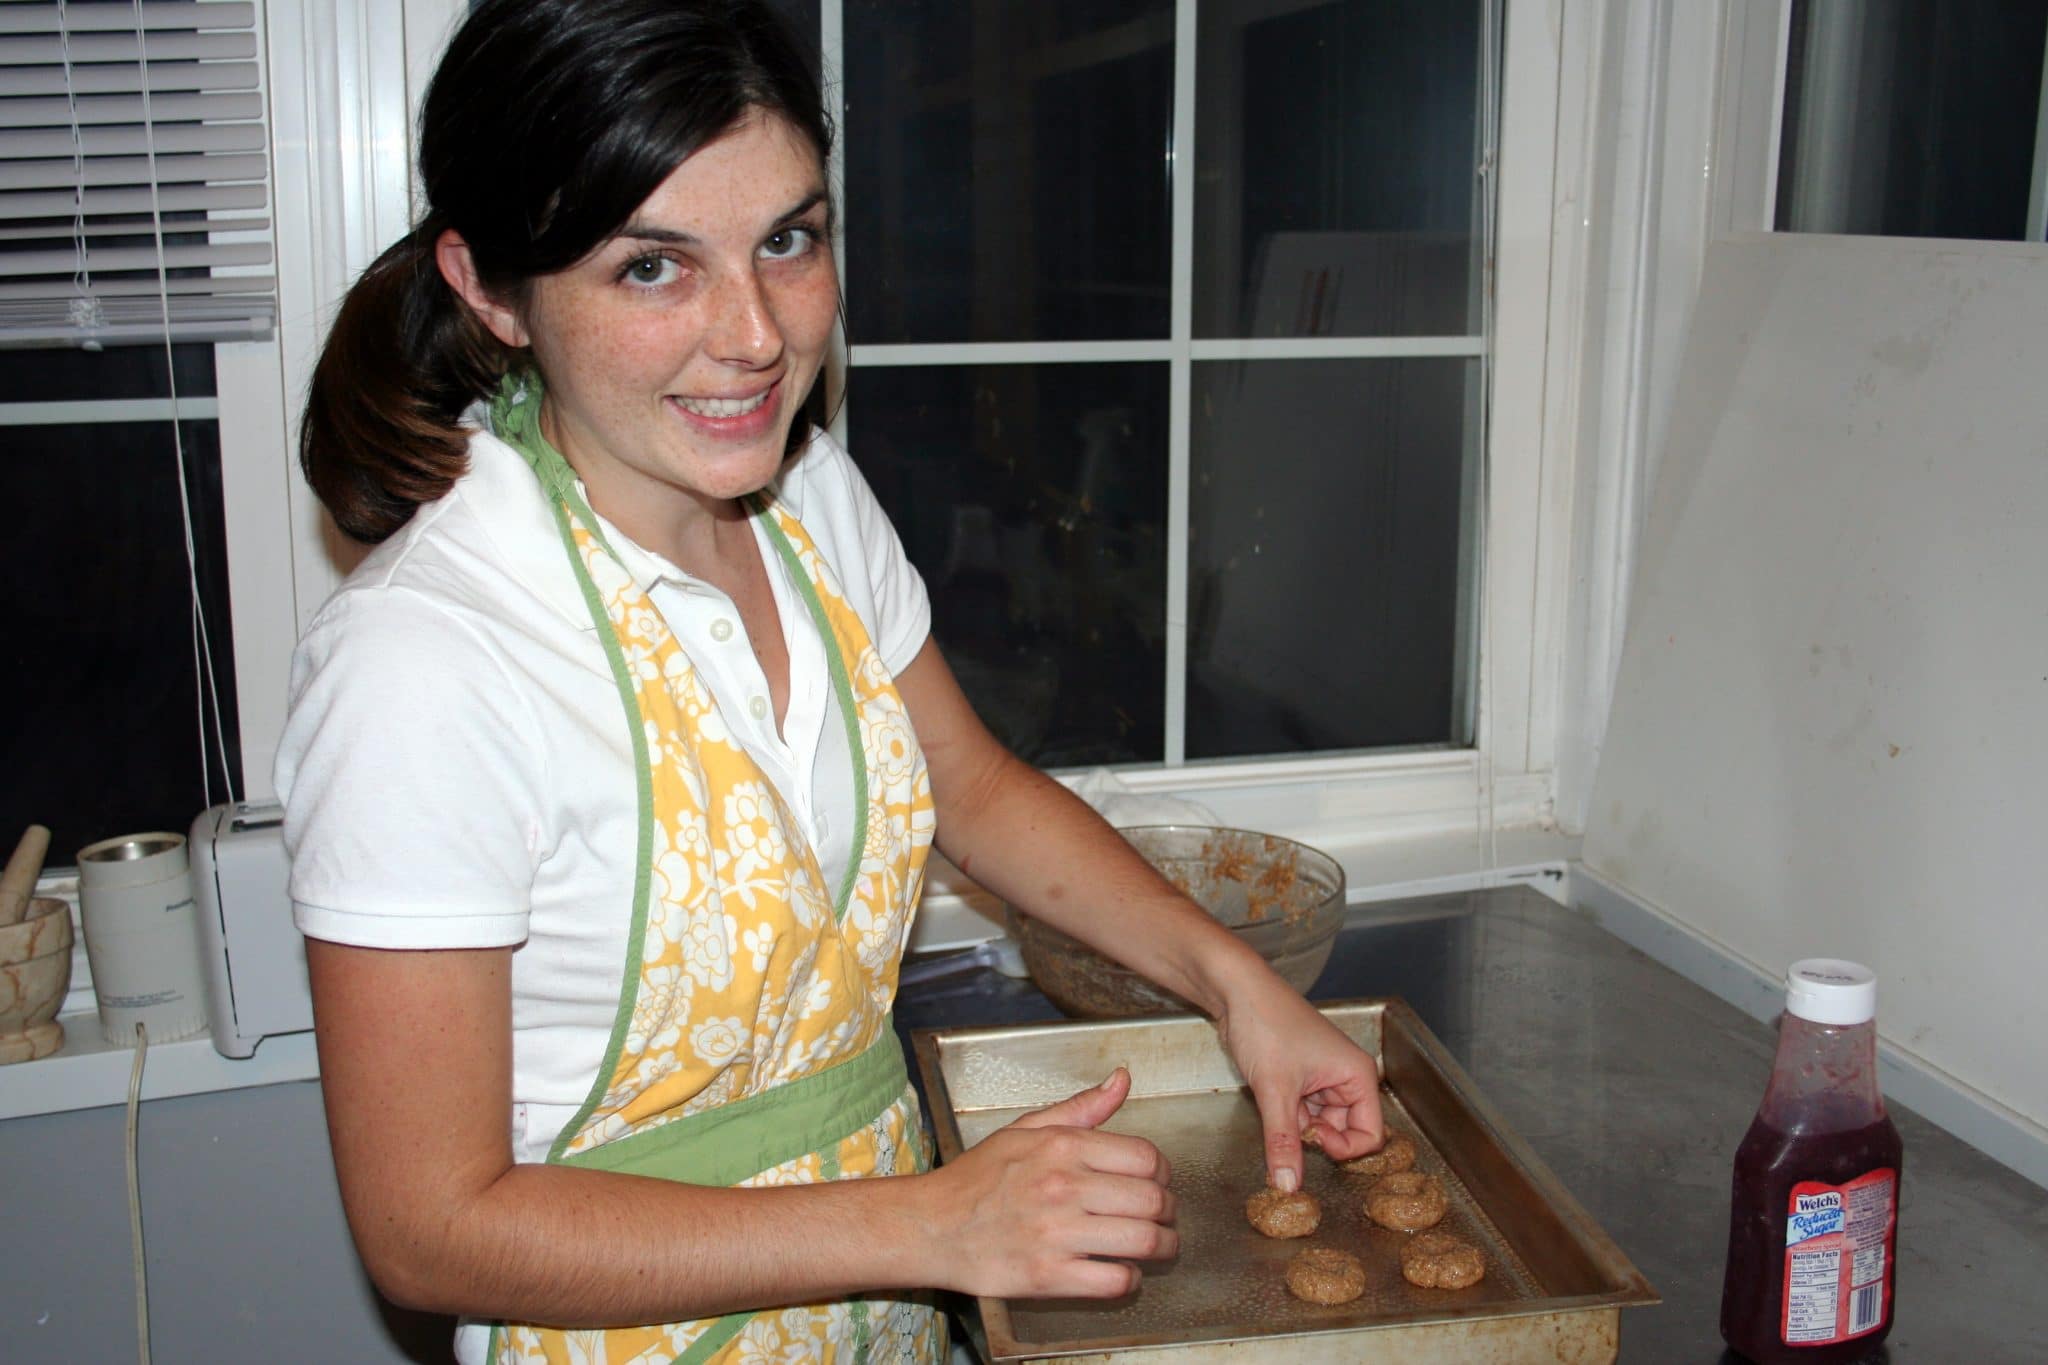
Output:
x=1086 y=1109
x=1279 y=1116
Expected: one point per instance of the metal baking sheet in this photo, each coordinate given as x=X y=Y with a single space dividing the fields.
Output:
x=1555 y=1283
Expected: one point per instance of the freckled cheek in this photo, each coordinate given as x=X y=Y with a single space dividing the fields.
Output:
x=624 y=353
x=808 y=310
x=575 y=346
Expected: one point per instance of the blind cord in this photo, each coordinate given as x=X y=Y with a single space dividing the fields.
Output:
x=81 y=275
x=135 y=1197
x=207 y=685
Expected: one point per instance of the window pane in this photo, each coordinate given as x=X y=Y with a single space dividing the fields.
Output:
x=1033 y=500
x=1910 y=119
x=1336 y=169
x=106 y=740
x=802 y=18
x=46 y=376
x=1326 y=564
x=1006 y=170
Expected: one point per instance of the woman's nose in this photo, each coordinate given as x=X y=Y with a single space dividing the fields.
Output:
x=744 y=329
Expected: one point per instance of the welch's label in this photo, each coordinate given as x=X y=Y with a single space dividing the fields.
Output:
x=1838 y=1245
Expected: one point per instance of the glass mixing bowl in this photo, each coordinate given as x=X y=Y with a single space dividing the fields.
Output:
x=1283 y=899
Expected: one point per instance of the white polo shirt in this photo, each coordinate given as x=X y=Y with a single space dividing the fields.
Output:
x=456 y=769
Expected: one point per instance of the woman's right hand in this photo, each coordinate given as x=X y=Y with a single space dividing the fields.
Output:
x=1026 y=1212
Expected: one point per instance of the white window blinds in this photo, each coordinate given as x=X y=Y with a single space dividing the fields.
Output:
x=132 y=166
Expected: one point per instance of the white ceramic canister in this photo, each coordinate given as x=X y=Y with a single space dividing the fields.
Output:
x=142 y=937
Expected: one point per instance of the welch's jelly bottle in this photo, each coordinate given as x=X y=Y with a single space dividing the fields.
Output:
x=1813 y=1224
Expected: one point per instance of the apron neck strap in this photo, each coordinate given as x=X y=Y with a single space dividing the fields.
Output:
x=515 y=420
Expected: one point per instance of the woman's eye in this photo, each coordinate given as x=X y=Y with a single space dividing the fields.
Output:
x=651 y=270
x=791 y=241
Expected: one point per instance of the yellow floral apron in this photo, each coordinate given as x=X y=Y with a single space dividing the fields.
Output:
x=752 y=1044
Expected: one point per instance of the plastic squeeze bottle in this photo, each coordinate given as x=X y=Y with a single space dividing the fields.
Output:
x=1813 y=1224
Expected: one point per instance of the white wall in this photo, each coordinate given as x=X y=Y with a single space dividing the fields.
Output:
x=1830 y=725
x=248 y=1254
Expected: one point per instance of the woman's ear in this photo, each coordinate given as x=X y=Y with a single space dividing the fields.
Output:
x=458 y=267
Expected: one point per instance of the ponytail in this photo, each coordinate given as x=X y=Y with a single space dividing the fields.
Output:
x=381 y=433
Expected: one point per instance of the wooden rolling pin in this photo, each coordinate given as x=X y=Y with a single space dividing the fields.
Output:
x=18 y=882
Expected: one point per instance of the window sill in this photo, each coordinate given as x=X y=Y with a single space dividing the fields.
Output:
x=88 y=1072
x=958 y=914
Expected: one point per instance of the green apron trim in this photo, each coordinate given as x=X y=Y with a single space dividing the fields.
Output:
x=863 y=1330
x=842 y=688
x=715 y=1338
x=725 y=1145
x=515 y=417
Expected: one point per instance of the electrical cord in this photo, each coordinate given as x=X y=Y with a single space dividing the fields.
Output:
x=135 y=1197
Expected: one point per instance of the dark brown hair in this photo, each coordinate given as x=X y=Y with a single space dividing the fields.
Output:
x=548 y=123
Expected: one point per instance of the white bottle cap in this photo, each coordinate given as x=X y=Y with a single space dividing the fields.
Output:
x=1827 y=990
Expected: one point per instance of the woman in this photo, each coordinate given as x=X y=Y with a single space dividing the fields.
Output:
x=611 y=772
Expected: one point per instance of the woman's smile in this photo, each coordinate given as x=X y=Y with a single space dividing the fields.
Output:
x=739 y=419
x=724 y=407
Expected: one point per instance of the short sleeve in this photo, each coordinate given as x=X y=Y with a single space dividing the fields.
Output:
x=898 y=612
x=407 y=769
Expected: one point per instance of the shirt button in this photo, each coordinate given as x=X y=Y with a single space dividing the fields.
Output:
x=721 y=630
x=759 y=706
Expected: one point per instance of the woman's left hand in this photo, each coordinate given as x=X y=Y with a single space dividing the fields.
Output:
x=1304 y=1074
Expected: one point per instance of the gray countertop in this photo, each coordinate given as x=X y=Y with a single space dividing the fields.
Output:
x=1635 y=1086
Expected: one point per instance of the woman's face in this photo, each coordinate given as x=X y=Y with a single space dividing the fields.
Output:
x=676 y=354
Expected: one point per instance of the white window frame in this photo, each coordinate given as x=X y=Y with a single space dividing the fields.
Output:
x=1667 y=140
x=342 y=154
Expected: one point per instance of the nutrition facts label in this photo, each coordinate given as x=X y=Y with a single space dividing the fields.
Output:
x=1813 y=1289
x=1837 y=1245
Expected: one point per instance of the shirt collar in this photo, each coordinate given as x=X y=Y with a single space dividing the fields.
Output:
x=513 y=508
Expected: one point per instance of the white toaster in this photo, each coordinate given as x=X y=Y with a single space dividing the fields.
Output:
x=254 y=955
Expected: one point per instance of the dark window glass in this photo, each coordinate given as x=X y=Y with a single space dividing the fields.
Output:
x=802 y=18
x=1337 y=169
x=1006 y=170
x=1327 y=512
x=1033 y=500
x=1911 y=119
x=105 y=738
x=43 y=376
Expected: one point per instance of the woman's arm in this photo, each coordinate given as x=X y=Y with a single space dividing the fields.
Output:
x=1038 y=846
x=415 y=1066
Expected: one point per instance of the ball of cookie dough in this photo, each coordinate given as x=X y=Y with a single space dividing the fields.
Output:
x=1397 y=1154
x=1437 y=1260
x=1325 y=1275
x=1406 y=1201
x=1279 y=1214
